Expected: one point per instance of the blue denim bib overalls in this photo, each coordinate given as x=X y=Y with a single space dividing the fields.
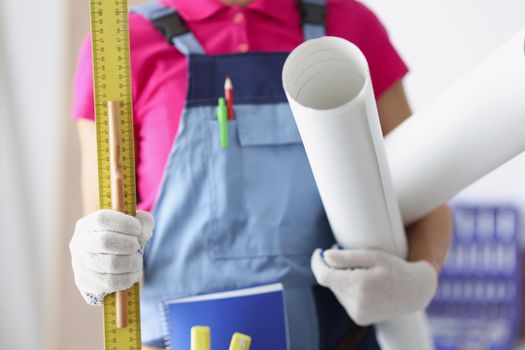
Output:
x=247 y=215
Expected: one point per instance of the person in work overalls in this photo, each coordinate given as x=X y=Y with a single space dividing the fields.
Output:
x=250 y=214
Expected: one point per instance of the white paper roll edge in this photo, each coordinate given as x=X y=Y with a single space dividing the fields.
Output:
x=328 y=86
x=470 y=130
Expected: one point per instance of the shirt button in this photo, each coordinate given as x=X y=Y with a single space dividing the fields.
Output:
x=243 y=47
x=238 y=18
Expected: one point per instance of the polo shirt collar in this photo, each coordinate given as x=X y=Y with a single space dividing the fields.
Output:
x=194 y=10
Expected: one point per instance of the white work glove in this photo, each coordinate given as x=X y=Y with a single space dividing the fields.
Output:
x=374 y=286
x=106 y=252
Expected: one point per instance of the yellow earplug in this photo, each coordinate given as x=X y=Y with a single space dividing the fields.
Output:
x=240 y=342
x=200 y=338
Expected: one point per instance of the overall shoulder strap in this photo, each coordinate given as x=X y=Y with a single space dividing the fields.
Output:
x=313 y=15
x=172 y=26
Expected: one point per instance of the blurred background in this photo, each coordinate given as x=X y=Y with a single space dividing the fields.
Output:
x=39 y=168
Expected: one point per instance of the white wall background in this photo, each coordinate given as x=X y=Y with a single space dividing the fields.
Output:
x=39 y=189
x=40 y=307
x=31 y=75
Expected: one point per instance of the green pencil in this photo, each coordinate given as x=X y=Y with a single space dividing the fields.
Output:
x=222 y=118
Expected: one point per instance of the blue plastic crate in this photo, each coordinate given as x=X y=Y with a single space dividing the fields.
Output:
x=477 y=305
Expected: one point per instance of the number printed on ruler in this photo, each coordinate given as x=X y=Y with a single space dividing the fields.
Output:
x=112 y=82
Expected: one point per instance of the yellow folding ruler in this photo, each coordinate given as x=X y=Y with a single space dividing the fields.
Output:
x=115 y=150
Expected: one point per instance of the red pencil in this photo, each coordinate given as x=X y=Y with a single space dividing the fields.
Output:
x=228 y=94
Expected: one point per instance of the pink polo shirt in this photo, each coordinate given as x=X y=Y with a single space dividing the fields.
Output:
x=159 y=71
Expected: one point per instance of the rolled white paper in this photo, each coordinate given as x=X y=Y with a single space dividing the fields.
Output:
x=470 y=130
x=327 y=82
x=329 y=90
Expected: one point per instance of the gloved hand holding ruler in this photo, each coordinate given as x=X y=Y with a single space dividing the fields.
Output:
x=115 y=151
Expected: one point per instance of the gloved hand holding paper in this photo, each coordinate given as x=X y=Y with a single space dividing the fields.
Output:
x=367 y=281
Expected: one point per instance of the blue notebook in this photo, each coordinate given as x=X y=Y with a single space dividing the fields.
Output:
x=258 y=312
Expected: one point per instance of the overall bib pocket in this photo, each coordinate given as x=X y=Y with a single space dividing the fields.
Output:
x=261 y=187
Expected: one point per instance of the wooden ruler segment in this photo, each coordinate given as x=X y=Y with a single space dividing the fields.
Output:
x=112 y=91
